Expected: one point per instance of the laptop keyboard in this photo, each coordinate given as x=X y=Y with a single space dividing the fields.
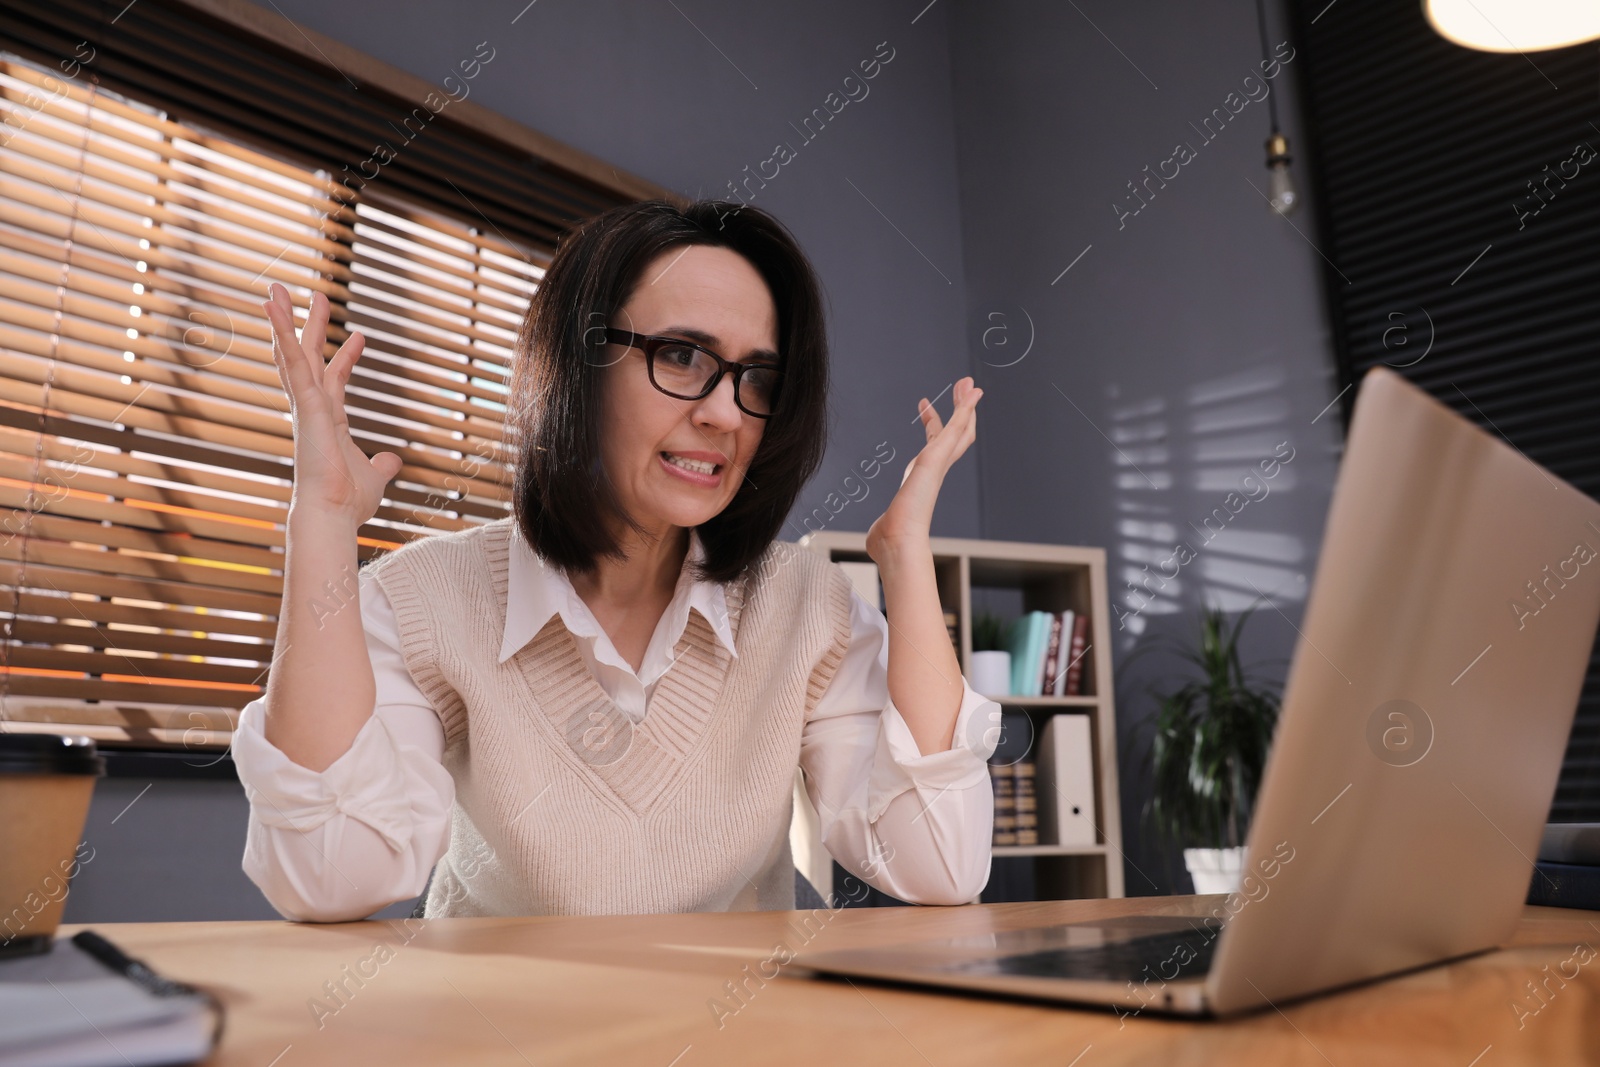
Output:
x=1164 y=956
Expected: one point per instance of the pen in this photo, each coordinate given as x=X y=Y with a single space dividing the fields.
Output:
x=140 y=974
x=128 y=967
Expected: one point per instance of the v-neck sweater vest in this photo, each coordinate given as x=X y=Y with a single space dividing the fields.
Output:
x=565 y=807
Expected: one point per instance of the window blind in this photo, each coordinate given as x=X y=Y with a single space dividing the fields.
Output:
x=145 y=450
x=145 y=445
x=1458 y=227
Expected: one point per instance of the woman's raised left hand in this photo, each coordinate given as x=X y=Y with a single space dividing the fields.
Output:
x=909 y=516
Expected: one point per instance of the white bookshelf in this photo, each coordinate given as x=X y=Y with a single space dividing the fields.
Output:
x=1050 y=578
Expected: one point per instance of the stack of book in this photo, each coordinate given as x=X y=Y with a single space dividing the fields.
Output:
x=1005 y=803
x=1016 y=802
x=1026 y=772
x=1047 y=651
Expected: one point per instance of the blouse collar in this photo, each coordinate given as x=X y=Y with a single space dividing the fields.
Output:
x=537 y=590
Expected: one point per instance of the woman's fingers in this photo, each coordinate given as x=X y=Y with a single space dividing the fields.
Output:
x=947 y=442
x=967 y=395
x=302 y=354
x=961 y=419
x=341 y=365
x=280 y=312
x=344 y=360
x=329 y=466
x=387 y=464
x=315 y=333
x=278 y=361
x=291 y=360
x=966 y=412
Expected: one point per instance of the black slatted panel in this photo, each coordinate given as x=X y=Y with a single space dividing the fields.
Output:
x=211 y=74
x=1444 y=263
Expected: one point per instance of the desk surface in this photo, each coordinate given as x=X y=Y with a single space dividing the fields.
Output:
x=641 y=990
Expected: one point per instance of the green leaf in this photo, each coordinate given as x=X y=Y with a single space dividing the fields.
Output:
x=1209 y=741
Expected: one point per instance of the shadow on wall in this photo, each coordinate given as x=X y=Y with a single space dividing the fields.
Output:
x=1195 y=486
x=1197 y=480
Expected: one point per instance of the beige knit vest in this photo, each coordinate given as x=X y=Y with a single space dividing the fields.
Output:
x=565 y=807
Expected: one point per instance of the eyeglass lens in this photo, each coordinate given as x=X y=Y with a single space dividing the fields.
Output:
x=685 y=372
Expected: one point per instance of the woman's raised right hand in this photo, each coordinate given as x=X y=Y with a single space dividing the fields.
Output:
x=333 y=478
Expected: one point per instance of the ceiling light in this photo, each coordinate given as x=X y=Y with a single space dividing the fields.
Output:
x=1514 y=25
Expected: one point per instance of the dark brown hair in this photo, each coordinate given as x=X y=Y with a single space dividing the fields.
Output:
x=563 y=501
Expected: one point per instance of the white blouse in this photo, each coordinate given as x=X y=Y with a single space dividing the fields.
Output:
x=347 y=841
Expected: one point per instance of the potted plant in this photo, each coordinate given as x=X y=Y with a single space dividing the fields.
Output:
x=991 y=663
x=1206 y=754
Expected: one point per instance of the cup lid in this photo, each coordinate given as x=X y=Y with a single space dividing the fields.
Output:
x=49 y=754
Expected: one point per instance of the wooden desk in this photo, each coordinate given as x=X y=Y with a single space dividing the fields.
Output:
x=638 y=990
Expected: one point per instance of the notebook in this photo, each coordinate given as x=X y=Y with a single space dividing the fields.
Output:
x=86 y=1004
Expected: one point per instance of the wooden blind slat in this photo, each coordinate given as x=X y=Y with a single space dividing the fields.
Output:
x=132 y=692
x=262 y=558
x=70 y=580
x=111 y=613
x=197 y=578
x=155 y=668
x=129 y=640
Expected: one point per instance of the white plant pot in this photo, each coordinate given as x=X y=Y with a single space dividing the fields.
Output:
x=991 y=673
x=1215 y=870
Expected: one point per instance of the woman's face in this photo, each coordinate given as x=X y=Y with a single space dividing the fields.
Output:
x=716 y=292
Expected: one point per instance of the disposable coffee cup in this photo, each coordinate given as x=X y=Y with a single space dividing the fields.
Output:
x=46 y=782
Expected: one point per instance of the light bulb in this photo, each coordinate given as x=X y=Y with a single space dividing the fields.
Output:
x=1280 y=189
x=1280 y=186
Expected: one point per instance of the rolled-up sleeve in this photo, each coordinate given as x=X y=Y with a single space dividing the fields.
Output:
x=916 y=826
x=341 y=843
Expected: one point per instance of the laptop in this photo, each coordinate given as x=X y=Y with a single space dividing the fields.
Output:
x=1424 y=719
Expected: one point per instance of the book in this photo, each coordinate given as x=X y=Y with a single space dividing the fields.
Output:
x=1004 y=782
x=1059 y=679
x=1027 y=802
x=1017 y=644
x=1079 y=646
x=85 y=1003
x=1066 y=781
x=1052 y=657
x=1033 y=669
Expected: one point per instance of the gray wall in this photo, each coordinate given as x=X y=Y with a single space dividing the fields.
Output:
x=983 y=160
x=1187 y=342
x=169 y=850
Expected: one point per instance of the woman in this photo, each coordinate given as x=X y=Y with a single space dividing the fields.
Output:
x=597 y=704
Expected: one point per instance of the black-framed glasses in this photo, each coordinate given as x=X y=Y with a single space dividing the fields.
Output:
x=687 y=371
